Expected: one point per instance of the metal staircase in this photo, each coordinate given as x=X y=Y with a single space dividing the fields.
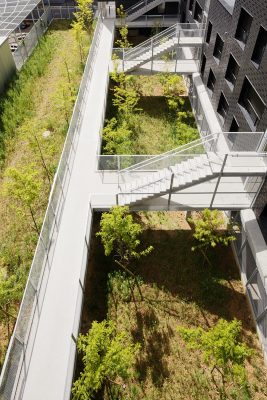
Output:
x=141 y=8
x=187 y=166
x=177 y=36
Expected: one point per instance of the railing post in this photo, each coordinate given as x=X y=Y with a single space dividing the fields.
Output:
x=170 y=192
x=177 y=51
x=218 y=180
x=152 y=54
x=123 y=59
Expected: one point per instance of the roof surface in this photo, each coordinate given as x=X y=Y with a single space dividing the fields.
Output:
x=13 y=12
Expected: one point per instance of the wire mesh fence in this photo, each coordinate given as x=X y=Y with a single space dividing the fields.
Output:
x=17 y=360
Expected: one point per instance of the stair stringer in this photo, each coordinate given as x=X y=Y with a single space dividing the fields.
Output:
x=175 y=189
x=147 y=7
x=139 y=63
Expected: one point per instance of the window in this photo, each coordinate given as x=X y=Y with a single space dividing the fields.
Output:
x=234 y=126
x=260 y=46
x=243 y=27
x=209 y=32
x=222 y=107
x=203 y=64
x=251 y=104
x=198 y=13
x=232 y=71
x=190 y=7
x=218 y=48
x=211 y=80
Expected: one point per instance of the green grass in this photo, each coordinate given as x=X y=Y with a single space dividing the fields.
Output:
x=32 y=105
x=154 y=128
x=179 y=288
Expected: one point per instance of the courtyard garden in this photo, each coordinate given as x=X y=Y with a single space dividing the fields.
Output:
x=147 y=114
x=165 y=316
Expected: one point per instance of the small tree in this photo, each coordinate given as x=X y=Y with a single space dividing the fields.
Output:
x=85 y=14
x=126 y=97
x=23 y=187
x=208 y=231
x=173 y=88
x=121 y=13
x=77 y=28
x=120 y=234
x=221 y=346
x=108 y=358
x=123 y=42
x=117 y=137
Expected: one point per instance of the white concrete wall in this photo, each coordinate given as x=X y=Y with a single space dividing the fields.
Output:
x=7 y=64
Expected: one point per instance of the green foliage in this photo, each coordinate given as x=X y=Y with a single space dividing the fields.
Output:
x=65 y=98
x=84 y=19
x=108 y=358
x=123 y=42
x=173 y=88
x=117 y=137
x=121 y=13
x=85 y=15
x=79 y=34
x=17 y=104
x=125 y=95
x=23 y=186
x=221 y=346
x=208 y=229
x=121 y=285
x=185 y=129
x=120 y=234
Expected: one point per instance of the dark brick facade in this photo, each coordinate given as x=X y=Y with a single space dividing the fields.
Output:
x=225 y=24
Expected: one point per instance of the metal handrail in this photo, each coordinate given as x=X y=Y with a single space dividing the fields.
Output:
x=177 y=150
x=138 y=6
x=171 y=32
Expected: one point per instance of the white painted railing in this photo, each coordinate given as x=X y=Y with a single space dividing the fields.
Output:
x=18 y=357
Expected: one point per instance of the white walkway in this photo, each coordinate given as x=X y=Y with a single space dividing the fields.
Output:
x=51 y=353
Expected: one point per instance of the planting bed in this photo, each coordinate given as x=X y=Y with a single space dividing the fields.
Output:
x=34 y=117
x=154 y=127
x=179 y=289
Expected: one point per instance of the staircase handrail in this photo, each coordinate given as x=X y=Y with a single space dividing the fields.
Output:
x=167 y=33
x=135 y=6
x=148 y=41
x=177 y=150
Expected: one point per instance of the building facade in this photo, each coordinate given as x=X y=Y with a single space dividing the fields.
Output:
x=234 y=64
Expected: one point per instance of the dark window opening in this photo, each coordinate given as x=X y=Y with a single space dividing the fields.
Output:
x=232 y=70
x=211 y=80
x=218 y=48
x=234 y=126
x=190 y=7
x=243 y=27
x=251 y=103
x=198 y=12
x=260 y=46
x=222 y=107
x=209 y=32
x=203 y=64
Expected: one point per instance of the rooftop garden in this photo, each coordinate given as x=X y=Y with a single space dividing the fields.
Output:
x=35 y=111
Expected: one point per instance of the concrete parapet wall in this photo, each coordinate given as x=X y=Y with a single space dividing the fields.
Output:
x=7 y=64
